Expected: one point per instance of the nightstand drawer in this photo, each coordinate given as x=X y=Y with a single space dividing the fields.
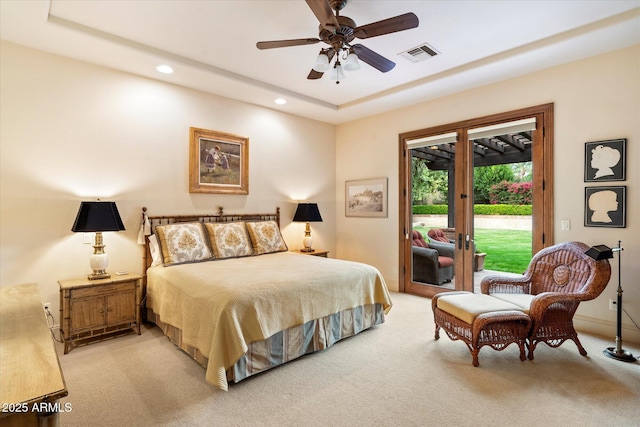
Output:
x=96 y=291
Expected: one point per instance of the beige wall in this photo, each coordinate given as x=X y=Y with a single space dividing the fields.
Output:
x=595 y=99
x=71 y=131
x=62 y=120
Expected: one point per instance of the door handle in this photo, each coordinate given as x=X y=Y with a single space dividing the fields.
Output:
x=467 y=242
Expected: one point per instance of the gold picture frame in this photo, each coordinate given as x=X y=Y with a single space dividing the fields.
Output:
x=218 y=162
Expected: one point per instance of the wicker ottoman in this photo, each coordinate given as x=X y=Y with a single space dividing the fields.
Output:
x=480 y=320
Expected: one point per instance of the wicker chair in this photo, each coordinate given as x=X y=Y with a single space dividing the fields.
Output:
x=557 y=280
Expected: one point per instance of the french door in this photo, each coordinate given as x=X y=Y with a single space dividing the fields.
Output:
x=446 y=155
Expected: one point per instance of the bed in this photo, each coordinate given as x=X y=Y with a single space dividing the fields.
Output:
x=240 y=303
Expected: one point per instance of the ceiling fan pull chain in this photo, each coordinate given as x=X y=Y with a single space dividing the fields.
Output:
x=338 y=69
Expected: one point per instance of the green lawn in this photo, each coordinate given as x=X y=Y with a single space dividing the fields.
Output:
x=507 y=250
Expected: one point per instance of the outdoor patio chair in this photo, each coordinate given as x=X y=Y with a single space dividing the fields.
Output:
x=432 y=262
x=438 y=235
x=557 y=280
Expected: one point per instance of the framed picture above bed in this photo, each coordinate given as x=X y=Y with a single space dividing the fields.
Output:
x=218 y=162
x=366 y=198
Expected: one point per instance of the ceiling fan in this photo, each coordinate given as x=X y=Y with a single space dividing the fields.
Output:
x=338 y=32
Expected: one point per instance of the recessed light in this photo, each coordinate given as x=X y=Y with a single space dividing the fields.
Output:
x=280 y=101
x=164 y=69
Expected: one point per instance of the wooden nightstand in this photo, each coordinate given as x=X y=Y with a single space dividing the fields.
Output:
x=323 y=254
x=91 y=309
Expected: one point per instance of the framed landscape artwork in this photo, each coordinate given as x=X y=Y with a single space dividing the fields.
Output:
x=605 y=206
x=218 y=162
x=366 y=198
x=605 y=160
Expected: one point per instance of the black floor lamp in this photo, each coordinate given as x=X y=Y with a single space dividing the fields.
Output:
x=604 y=252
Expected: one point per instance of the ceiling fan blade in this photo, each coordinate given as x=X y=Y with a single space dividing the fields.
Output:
x=324 y=13
x=314 y=75
x=386 y=26
x=376 y=60
x=285 y=43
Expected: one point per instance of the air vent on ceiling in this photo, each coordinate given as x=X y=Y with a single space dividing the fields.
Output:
x=420 y=53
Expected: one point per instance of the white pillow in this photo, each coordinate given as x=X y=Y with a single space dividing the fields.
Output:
x=154 y=248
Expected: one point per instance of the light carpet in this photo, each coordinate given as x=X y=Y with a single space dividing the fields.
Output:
x=395 y=374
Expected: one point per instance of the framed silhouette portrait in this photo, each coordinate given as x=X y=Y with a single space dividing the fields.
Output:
x=605 y=160
x=605 y=206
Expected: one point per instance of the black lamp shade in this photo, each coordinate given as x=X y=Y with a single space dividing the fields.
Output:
x=97 y=216
x=307 y=212
x=599 y=252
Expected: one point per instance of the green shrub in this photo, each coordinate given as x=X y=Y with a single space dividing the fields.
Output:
x=502 y=209
x=430 y=209
x=477 y=209
x=511 y=193
x=484 y=177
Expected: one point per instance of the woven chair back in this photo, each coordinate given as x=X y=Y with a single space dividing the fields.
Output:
x=566 y=268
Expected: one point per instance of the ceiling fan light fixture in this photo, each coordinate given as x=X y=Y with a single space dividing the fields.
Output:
x=322 y=62
x=351 y=63
x=338 y=31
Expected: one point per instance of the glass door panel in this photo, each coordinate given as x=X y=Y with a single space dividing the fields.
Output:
x=434 y=252
x=502 y=178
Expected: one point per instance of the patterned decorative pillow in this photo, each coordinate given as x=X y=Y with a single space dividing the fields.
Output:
x=265 y=237
x=182 y=243
x=228 y=240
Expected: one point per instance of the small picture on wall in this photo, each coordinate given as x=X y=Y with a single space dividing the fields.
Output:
x=366 y=197
x=605 y=207
x=605 y=160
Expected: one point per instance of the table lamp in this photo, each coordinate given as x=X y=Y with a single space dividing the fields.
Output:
x=98 y=217
x=307 y=212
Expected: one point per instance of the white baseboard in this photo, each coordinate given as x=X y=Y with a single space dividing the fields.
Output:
x=606 y=328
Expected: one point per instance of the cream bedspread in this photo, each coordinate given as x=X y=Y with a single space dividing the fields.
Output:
x=221 y=306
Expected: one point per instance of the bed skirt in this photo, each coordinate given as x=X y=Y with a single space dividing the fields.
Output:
x=286 y=345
